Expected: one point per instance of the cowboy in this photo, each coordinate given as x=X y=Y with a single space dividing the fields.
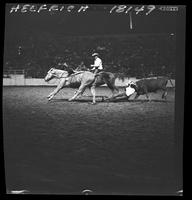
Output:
x=128 y=91
x=68 y=68
x=97 y=66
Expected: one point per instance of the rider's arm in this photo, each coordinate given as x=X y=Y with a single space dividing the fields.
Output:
x=94 y=66
x=97 y=63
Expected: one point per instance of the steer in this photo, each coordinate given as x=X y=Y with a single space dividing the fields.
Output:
x=148 y=85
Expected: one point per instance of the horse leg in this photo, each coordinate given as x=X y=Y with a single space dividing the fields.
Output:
x=148 y=97
x=164 y=95
x=93 y=93
x=112 y=88
x=58 y=88
x=136 y=96
x=82 y=94
x=80 y=91
x=113 y=85
x=116 y=89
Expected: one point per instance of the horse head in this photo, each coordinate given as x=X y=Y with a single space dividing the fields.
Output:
x=55 y=73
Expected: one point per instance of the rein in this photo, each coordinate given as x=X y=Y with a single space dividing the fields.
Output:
x=71 y=74
x=61 y=75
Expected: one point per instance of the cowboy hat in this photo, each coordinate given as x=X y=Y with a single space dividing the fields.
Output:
x=95 y=54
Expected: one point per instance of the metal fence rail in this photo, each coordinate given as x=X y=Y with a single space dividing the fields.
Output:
x=14 y=71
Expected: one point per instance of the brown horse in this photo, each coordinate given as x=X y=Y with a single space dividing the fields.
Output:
x=81 y=79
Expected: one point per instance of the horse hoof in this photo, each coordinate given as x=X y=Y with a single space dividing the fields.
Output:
x=70 y=99
x=93 y=103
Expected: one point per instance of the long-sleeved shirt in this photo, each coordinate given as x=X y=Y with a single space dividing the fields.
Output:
x=129 y=90
x=97 y=64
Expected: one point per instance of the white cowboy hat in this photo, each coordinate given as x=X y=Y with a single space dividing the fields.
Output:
x=95 y=54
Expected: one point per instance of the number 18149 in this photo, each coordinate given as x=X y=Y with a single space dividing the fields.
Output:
x=137 y=9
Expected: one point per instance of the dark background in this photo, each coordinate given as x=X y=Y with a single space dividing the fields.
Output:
x=37 y=41
x=95 y=20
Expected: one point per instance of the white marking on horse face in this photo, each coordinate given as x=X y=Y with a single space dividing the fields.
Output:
x=49 y=75
x=50 y=70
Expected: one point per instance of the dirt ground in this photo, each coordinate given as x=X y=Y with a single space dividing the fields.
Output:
x=62 y=147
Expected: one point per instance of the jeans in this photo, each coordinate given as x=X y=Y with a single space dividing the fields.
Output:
x=98 y=70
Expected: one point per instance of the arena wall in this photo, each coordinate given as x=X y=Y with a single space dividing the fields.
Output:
x=19 y=80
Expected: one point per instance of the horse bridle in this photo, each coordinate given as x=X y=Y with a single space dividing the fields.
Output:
x=61 y=76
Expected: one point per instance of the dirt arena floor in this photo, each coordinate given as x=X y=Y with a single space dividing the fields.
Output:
x=62 y=147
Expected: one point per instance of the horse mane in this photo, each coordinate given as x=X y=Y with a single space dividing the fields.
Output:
x=70 y=71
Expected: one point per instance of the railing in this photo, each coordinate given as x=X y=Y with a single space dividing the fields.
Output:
x=14 y=71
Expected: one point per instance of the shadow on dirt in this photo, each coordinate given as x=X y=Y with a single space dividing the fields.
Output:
x=76 y=101
x=152 y=100
x=100 y=100
x=139 y=101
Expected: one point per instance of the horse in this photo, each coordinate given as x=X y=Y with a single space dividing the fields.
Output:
x=81 y=80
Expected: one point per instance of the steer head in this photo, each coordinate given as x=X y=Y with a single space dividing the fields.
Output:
x=132 y=84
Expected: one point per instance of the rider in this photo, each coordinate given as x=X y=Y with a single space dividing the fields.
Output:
x=97 y=66
x=68 y=68
x=129 y=90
